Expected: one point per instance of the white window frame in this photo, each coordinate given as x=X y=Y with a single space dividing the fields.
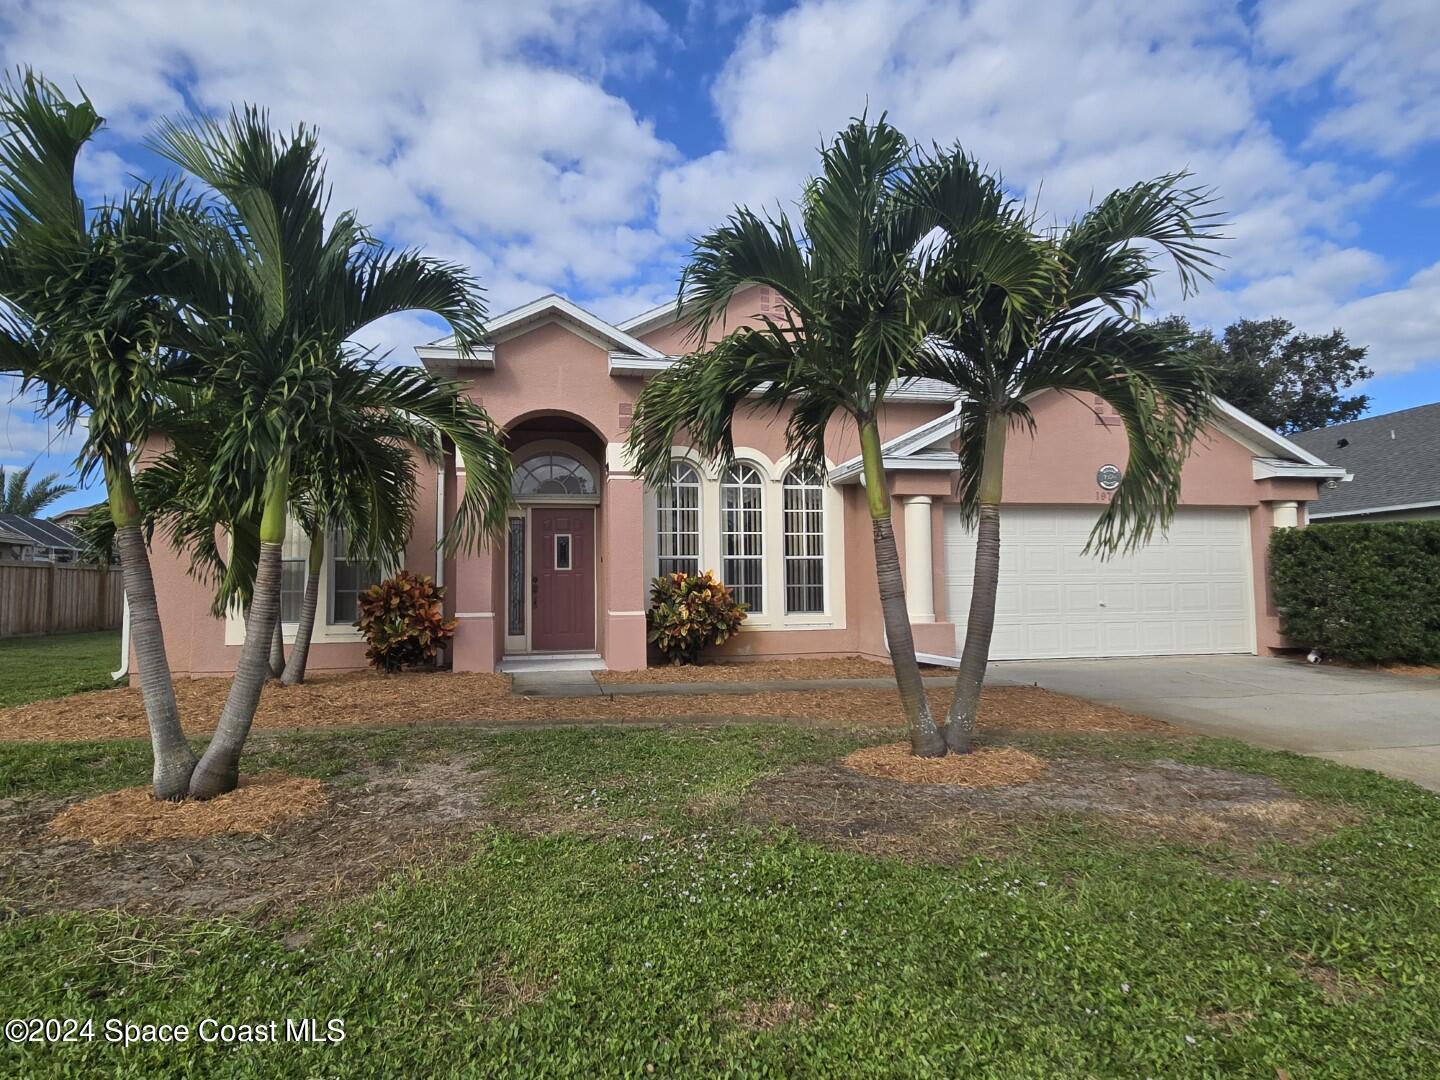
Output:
x=325 y=631
x=753 y=484
x=669 y=518
x=807 y=482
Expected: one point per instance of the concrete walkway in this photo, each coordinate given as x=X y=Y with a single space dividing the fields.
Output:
x=1389 y=723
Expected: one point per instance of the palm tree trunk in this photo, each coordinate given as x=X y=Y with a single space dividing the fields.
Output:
x=960 y=725
x=219 y=768
x=925 y=738
x=277 y=649
x=300 y=651
x=174 y=760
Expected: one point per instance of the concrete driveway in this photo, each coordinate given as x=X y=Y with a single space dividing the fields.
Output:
x=1389 y=723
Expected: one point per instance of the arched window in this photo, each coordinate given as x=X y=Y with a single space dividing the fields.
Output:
x=551 y=475
x=804 y=498
x=742 y=534
x=677 y=511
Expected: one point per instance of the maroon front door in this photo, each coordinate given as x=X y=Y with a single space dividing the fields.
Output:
x=562 y=579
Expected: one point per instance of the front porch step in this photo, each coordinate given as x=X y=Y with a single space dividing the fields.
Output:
x=542 y=662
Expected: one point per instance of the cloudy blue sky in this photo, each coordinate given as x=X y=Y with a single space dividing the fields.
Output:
x=574 y=145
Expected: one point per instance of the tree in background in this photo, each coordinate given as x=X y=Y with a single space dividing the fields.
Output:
x=18 y=495
x=1288 y=381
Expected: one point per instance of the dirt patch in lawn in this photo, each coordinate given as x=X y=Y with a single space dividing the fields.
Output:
x=764 y=1015
x=1160 y=799
x=838 y=667
x=388 y=818
x=258 y=805
x=991 y=766
x=370 y=700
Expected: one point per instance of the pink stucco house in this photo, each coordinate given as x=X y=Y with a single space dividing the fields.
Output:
x=569 y=580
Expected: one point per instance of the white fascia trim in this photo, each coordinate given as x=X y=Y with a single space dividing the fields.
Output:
x=483 y=357
x=629 y=364
x=1283 y=446
x=646 y=321
x=1265 y=468
x=899 y=452
x=1314 y=515
x=551 y=303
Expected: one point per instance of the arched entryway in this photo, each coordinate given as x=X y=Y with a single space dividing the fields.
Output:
x=551 y=592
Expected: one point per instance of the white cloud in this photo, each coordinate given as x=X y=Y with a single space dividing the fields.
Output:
x=481 y=130
x=491 y=133
x=1074 y=100
x=1381 y=59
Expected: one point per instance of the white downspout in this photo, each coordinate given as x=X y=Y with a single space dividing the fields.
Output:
x=124 y=640
x=440 y=526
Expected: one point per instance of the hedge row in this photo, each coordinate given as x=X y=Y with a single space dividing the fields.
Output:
x=1367 y=593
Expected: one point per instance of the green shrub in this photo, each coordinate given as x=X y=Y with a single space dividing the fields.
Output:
x=1366 y=593
x=689 y=612
x=403 y=619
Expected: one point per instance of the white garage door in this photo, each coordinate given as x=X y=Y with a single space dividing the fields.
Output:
x=1186 y=592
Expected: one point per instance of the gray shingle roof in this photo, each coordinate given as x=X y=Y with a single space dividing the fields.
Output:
x=1395 y=459
x=41 y=532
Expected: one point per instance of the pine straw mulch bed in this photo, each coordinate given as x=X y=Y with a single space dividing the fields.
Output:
x=387 y=818
x=370 y=700
x=1163 y=800
x=986 y=766
x=840 y=667
x=259 y=805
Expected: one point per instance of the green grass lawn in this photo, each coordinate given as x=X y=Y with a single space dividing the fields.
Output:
x=35 y=668
x=632 y=916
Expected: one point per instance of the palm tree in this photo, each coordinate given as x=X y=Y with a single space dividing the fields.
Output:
x=850 y=287
x=1026 y=310
x=84 y=319
x=285 y=290
x=18 y=495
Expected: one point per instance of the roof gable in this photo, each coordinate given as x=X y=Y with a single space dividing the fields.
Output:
x=526 y=317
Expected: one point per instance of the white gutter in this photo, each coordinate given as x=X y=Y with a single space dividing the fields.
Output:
x=1313 y=516
x=124 y=641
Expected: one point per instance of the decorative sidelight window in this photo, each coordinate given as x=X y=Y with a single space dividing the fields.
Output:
x=677 y=504
x=515 y=578
x=804 y=496
x=742 y=534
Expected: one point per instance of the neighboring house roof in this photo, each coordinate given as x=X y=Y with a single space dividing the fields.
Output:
x=40 y=532
x=1394 y=458
x=64 y=517
x=8 y=537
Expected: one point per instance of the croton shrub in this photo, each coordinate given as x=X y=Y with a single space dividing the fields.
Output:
x=403 y=620
x=690 y=612
x=1368 y=593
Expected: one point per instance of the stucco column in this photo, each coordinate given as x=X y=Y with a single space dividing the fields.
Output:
x=919 y=560
x=474 y=591
x=622 y=553
x=1285 y=515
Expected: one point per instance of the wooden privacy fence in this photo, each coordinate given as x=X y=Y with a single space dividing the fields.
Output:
x=55 y=598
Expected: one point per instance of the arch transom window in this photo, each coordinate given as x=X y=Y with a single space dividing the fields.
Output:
x=552 y=475
x=677 y=503
x=804 y=504
x=742 y=534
